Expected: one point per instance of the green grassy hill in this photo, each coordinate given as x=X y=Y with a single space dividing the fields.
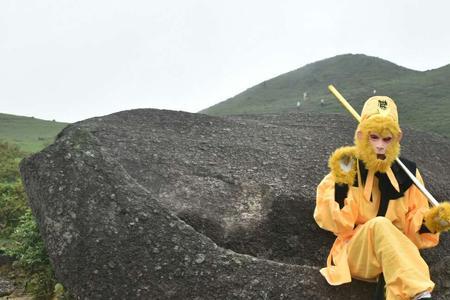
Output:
x=423 y=97
x=30 y=134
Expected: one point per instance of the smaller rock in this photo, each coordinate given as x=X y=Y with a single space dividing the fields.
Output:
x=200 y=258
x=6 y=287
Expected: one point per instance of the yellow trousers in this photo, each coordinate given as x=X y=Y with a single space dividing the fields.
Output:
x=379 y=247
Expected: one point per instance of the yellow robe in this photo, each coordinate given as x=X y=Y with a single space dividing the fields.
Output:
x=355 y=252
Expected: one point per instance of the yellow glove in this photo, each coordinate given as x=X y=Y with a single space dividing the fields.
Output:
x=437 y=219
x=342 y=164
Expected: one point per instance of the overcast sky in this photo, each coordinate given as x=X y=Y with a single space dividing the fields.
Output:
x=73 y=59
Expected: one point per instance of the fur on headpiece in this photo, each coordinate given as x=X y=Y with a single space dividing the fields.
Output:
x=379 y=115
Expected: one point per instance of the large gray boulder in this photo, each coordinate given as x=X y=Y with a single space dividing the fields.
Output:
x=155 y=204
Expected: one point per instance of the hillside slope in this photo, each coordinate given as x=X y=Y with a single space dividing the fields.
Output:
x=423 y=97
x=29 y=133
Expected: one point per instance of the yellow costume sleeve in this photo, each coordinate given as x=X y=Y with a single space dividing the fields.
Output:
x=417 y=207
x=328 y=214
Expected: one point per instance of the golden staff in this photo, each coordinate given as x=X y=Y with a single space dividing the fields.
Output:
x=347 y=105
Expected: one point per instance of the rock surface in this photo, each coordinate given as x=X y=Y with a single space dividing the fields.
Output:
x=155 y=204
x=6 y=287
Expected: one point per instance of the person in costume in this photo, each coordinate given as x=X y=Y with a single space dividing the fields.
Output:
x=379 y=216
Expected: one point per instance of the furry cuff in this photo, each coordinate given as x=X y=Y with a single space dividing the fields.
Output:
x=342 y=164
x=437 y=219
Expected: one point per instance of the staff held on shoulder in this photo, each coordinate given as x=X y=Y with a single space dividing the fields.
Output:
x=371 y=202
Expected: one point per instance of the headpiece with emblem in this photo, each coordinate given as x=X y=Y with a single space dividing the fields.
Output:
x=379 y=115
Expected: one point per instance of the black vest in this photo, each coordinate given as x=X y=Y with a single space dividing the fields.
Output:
x=387 y=190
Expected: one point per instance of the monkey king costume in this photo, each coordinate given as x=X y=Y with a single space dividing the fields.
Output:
x=379 y=216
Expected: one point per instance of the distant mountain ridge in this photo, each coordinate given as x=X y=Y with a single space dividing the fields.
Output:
x=423 y=97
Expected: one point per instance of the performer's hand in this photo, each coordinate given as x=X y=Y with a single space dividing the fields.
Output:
x=343 y=165
x=437 y=219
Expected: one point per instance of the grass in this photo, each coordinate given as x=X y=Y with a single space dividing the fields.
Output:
x=29 y=133
x=423 y=98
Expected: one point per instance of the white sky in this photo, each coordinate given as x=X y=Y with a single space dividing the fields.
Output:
x=73 y=59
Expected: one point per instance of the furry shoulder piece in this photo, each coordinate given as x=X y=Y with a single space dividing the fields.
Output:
x=342 y=164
